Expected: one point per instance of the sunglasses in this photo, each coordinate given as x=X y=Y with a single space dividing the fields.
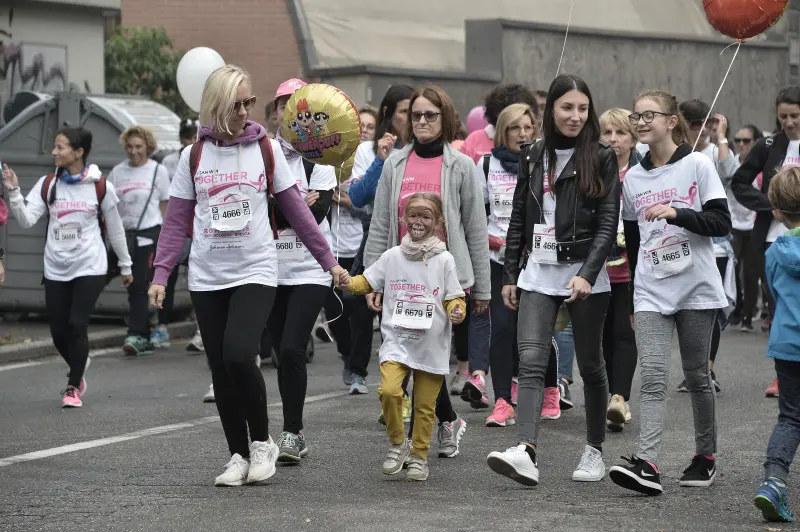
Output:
x=430 y=116
x=647 y=116
x=248 y=104
x=738 y=140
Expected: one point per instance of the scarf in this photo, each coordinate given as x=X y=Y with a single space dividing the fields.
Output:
x=508 y=159
x=253 y=131
x=90 y=174
x=429 y=150
x=422 y=249
x=288 y=150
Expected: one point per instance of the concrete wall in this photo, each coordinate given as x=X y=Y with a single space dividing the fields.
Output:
x=257 y=35
x=68 y=41
x=617 y=67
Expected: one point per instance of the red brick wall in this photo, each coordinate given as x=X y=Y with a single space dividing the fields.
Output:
x=257 y=35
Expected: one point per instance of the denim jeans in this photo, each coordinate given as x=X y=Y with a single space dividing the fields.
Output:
x=566 y=353
x=786 y=434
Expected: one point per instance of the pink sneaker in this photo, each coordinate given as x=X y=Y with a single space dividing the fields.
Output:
x=514 y=391
x=550 y=406
x=71 y=398
x=474 y=392
x=502 y=415
x=82 y=387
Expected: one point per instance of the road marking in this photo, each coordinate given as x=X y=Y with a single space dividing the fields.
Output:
x=94 y=353
x=55 y=451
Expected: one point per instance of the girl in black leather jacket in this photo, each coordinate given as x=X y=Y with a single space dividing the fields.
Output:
x=563 y=223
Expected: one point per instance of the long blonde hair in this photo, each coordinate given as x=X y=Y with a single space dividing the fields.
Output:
x=219 y=95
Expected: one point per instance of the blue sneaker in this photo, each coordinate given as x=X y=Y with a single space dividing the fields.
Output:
x=137 y=346
x=772 y=499
x=160 y=337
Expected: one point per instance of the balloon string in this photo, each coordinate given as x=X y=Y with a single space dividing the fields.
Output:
x=339 y=170
x=564 y=47
x=716 y=97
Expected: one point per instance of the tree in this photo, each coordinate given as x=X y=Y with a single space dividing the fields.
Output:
x=142 y=61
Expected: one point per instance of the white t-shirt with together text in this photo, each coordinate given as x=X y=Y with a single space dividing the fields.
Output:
x=415 y=327
x=224 y=259
x=296 y=265
x=498 y=192
x=685 y=184
x=792 y=158
x=133 y=185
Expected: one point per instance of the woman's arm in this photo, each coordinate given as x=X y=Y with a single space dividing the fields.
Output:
x=378 y=239
x=363 y=191
x=300 y=219
x=27 y=212
x=174 y=230
x=473 y=219
x=117 y=240
x=714 y=220
x=607 y=219
x=742 y=183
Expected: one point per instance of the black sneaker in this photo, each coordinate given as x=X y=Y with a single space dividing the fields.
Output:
x=682 y=387
x=292 y=447
x=700 y=473
x=638 y=475
x=747 y=325
x=564 y=399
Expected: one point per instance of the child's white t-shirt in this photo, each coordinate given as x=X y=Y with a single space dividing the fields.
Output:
x=416 y=329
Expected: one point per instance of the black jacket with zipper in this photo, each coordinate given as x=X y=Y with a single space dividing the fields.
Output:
x=767 y=156
x=585 y=227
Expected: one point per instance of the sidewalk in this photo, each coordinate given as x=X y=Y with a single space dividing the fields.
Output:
x=30 y=339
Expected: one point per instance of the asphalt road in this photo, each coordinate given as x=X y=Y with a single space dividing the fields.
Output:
x=159 y=474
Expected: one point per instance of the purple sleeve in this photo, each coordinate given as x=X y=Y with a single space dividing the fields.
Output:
x=302 y=221
x=174 y=230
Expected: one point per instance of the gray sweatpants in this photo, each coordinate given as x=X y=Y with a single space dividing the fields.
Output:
x=536 y=323
x=653 y=340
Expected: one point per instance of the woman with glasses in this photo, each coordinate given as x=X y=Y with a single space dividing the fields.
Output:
x=222 y=194
x=742 y=220
x=430 y=164
x=563 y=221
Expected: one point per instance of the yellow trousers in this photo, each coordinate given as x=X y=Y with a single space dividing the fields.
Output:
x=426 y=390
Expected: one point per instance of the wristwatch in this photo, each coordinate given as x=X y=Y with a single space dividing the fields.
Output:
x=723 y=141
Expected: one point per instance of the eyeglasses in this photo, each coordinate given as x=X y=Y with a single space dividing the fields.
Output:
x=248 y=104
x=738 y=140
x=430 y=116
x=647 y=116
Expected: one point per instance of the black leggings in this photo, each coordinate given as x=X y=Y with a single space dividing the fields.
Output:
x=69 y=305
x=353 y=329
x=503 y=352
x=619 y=342
x=289 y=328
x=142 y=271
x=746 y=275
x=165 y=312
x=231 y=322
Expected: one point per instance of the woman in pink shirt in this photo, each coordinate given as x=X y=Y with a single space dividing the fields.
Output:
x=481 y=141
x=619 y=343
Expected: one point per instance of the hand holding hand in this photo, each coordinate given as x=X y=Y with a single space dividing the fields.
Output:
x=580 y=288
x=510 y=296
x=340 y=276
x=660 y=212
x=479 y=306
x=127 y=280
x=312 y=197
x=457 y=315
x=375 y=301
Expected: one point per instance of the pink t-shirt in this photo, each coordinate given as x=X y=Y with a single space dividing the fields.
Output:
x=477 y=144
x=621 y=273
x=421 y=175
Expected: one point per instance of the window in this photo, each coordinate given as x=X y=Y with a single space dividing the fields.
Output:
x=113 y=19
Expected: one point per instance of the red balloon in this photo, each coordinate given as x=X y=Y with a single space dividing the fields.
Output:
x=742 y=19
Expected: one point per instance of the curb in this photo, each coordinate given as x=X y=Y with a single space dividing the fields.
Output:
x=97 y=340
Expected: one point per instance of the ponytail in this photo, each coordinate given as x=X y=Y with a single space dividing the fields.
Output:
x=669 y=104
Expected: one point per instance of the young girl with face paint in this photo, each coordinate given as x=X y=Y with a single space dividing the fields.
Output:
x=421 y=298
x=673 y=204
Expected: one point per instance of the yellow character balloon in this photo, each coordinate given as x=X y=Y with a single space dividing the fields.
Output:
x=322 y=124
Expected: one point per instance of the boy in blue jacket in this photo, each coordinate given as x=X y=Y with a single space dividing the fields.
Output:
x=783 y=278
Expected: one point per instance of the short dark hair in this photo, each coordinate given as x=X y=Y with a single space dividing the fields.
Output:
x=694 y=110
x=541 y=94
x=504 y=95
x=393 y=96
x=438 y=97
x=78 y=138
x=757 y=133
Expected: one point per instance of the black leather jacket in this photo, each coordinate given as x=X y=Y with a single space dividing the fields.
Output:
x=585 y=227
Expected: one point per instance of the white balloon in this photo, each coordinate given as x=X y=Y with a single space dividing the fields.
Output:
x=193 y=70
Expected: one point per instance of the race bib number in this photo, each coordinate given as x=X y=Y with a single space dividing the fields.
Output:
x=230 y=213
x=502 y=204
x=289 y=246
x=413 y=312
x=544 y=245
x=671 y=257
x=67 y=237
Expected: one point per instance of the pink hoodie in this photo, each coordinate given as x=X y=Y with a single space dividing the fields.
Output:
x=479 y=143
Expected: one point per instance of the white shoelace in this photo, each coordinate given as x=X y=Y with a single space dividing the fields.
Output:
x=589 y=461
x=261 y=454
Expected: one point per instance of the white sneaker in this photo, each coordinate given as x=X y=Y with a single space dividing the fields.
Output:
x=209 y=396
x=516 y=464
x=196 y=343
x=235 y=472
x=591 y=468
x=263 y=455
